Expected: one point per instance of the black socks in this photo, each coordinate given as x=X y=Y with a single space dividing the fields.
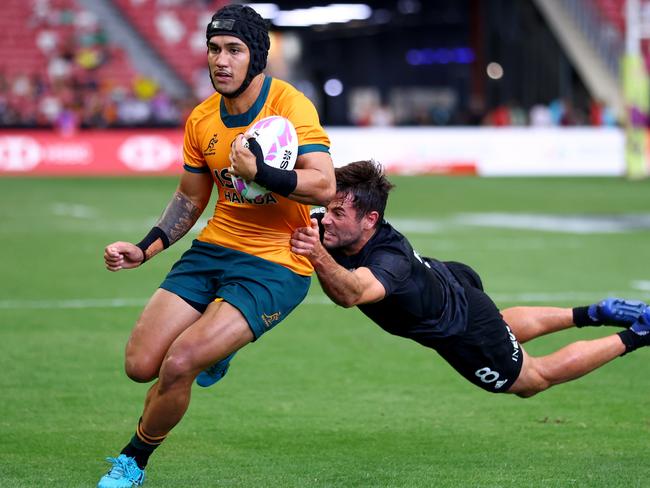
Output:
x=633 y=341
x=581 y=317
x=142 y=445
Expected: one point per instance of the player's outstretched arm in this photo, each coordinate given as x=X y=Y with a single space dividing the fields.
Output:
x=345 y=288
x=180 y=215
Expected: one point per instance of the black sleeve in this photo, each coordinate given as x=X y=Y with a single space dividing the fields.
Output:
x=391 y=268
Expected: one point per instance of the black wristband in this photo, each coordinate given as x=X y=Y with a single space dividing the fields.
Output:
x=281 y=181
x=154 y=234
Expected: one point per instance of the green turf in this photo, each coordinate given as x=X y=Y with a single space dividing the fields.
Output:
x=327 y=399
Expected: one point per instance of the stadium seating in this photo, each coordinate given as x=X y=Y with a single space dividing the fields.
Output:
x=55 y=57
x=35 y=33
x=176 y=32
x=58 y=63
x=612 y=11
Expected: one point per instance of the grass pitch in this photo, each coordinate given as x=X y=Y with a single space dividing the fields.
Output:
x=327 y=399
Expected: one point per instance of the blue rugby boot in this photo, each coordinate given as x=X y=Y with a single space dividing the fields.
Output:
x=642 y=326
x=125 y=473
x=617 y=311
x=214 y=373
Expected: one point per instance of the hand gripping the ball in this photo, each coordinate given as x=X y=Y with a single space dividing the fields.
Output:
x=276 y=146
x=242 y=160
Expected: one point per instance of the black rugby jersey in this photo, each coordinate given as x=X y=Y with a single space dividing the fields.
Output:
x=423 y=299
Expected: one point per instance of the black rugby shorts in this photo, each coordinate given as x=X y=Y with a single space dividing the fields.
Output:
x=487 y=353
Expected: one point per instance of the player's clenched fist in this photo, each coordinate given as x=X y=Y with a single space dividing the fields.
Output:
x=122 y=255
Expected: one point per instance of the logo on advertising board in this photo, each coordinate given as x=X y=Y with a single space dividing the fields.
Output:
x=148 y=153
x=19 y=153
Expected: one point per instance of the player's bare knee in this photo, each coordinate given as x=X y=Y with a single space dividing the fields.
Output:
x=527 y=393
x=531 y=381
x=139 y=369
x=176 y=368
x=532 y=389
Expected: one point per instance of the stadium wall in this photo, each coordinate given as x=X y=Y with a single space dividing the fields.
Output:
x=475 y=151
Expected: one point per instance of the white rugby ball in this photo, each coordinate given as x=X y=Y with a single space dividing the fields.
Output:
x=279 y=142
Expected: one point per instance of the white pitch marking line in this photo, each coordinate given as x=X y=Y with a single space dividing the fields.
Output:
x=73 y=303
x=643 y=285
x=81 y=303
x=74 y=210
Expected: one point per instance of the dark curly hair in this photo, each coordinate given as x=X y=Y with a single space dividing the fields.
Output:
x=366 y=182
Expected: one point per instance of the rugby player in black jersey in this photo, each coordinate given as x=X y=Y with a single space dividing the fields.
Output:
x=361 y=260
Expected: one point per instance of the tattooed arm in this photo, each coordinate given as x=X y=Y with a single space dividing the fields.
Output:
x=182 y=212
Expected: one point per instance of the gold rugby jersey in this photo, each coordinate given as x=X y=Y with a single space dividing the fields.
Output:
x=261 y=227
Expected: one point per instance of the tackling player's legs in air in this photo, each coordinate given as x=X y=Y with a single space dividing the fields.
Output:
x=579 y=358
x=531 y=322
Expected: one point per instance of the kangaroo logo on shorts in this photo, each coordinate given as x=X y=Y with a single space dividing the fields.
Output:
x=270 y=319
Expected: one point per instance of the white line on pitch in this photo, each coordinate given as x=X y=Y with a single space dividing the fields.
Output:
x=527 y=297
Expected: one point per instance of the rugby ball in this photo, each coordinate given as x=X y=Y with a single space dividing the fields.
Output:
x=279 y=142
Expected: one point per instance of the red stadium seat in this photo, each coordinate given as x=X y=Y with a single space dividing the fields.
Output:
x=176 y=32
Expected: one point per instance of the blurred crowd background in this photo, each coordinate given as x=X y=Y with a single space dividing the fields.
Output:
x=77 y=64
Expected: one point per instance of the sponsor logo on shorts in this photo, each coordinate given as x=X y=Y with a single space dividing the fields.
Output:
x=515 y=345
x=269 y=320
